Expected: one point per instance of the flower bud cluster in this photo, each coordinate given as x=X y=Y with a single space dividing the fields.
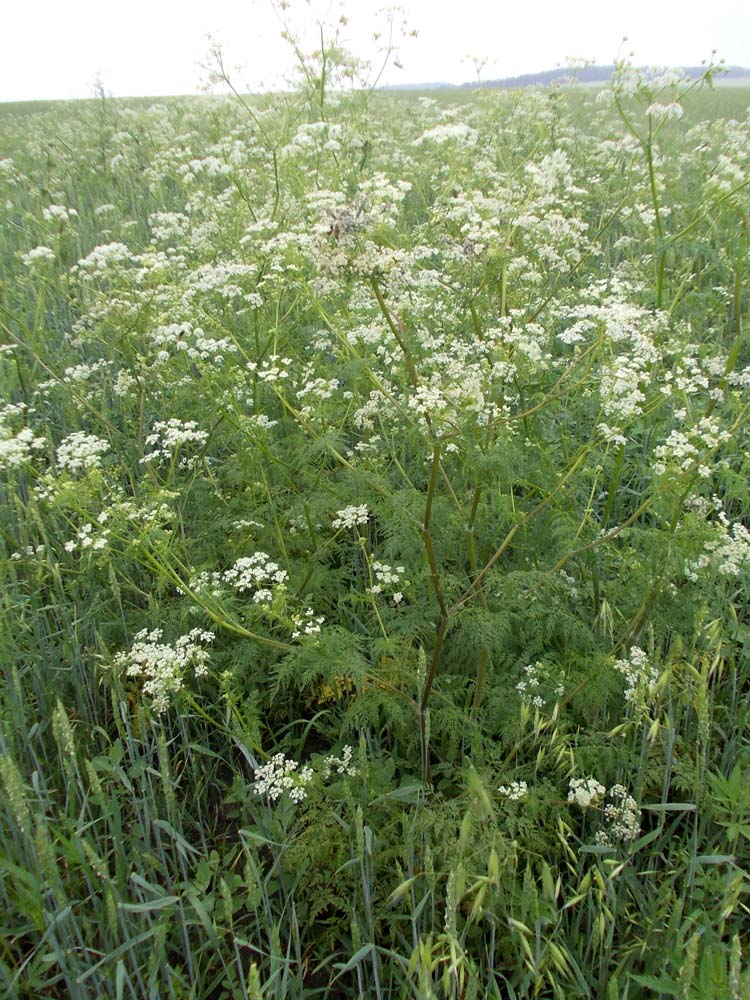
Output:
x=623 y=818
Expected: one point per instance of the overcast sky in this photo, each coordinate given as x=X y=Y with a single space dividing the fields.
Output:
x=57 y=48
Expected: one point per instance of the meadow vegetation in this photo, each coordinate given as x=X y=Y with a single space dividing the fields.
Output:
x=375 y=540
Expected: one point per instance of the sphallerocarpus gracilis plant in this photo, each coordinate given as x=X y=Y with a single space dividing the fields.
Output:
x=374 y=528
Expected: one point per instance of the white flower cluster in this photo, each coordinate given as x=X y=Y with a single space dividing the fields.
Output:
x=30 y=550
x=623 y=818
x=86 y=538
x=281 y=775
x=728 y=173
x=276 y=369
x=640 y=675
x=585 y=792
x=259 y=421
x=162 y=666
x=665 y=111
x=306 y=623
x=102 y=258
x=553 y=176
x=528 y=688
x=462 y=135
x=313 y=136
x=627 y=374
x=124 y=383
x=350 y=517
x=621 y=812
x=428 y=401
x=169 y=435
x=59 y=213
x=376 y=407
x=516 y=791
x=622 y=385
x=684 y=448
x=168 y=227
x=257 y=573
x=728 y=553
x=340 y=765
x=72 y=375
x=16 y=449
x=611 y=434
x=184 y=338
x=223 y=278
x=210 y=165
x=382 y=196
x=316 y=389
x=81 y=373
x=388 y=579
x=79 y=451
x=695 y=373
x=37 y=255
x=245 y=522
x=206 y=584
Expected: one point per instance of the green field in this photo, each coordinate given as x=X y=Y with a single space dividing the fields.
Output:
x=375 y=531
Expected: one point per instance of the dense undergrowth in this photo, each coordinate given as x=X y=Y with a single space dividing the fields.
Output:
x=375 y=547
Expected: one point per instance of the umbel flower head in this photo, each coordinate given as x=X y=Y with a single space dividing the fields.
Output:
x=281 y=775
x=162 y=666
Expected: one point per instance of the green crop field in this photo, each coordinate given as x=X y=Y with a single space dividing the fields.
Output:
x=375 y=531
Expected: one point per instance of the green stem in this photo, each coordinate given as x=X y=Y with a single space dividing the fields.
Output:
x=442 y=624
x=613 y=486
x=484 y=654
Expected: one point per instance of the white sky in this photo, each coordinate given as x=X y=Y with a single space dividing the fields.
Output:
x=56 y=48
